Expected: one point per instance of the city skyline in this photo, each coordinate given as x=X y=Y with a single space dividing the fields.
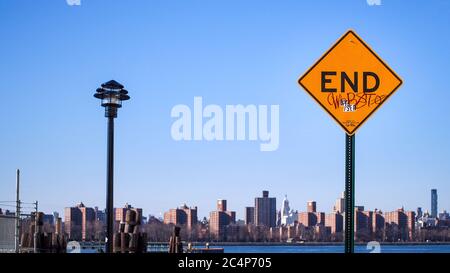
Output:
x=308 y=206
x=263 y=223
x=245 y=53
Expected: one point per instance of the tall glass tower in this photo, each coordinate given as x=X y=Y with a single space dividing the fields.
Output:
x=434 y=203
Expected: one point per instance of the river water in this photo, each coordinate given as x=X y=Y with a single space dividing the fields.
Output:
x=339 y=249
x=422 y=248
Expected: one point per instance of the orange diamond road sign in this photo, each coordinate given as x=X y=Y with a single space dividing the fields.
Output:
x=350 y=81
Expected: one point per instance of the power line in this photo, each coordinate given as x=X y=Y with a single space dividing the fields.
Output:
x=8 y=206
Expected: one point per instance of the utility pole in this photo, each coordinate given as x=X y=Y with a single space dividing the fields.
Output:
x=35 y=227
x=17 y=232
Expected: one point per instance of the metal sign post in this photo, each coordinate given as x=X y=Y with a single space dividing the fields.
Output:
x=349 y=193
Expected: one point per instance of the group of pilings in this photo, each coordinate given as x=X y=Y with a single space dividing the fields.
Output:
x=130 y=239
x=36 y=240
x=175 y=245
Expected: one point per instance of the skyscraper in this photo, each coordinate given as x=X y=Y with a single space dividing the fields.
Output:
x=419 y=213
x=221 y=205
x=220 y=219
x=87 y=223
x=399 y=224
x=266 y=210
x=335 y=221
x=182 y=216
x=72 y=223
x=287 y=215
x=320 y=216
x=79 y=222
x=311 y=217
x=340 y=204
x=363 y=220
x=49 y=219
x=120 y=213
x=434 y=203
x=311 y=206
x=411 y=218
x=55 y=215
x=175 y=216
x=249 y=215
x=307 y=219
x=378 y=223
x=100 y=215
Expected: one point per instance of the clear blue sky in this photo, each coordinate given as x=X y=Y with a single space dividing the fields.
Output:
x=53 y=57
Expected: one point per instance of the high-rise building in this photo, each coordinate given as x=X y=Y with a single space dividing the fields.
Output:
x=287 y=216
x=434 y=203
x=182 y=216
x=79 y=222
x=399 y=224
x=397 y=217
x=266 y=210
x=444 y=216
x=419 y=213
x=55 y=216
x=378 y=223
x=411 y=223
x=311 y=206
x=49 y=219
x=120 y=213
x=249 y=215
x=87 y=223
x=72 y=223
x=222 y=205
x=175 y=216
x=219 y=220
x=363 y=220
x=307 y=219
x=100 y=215
x=335 y=221
x=311 y=217
x=339 y=206
x=320 y=216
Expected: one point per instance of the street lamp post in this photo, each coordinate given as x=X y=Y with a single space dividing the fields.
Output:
x=112 y=94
